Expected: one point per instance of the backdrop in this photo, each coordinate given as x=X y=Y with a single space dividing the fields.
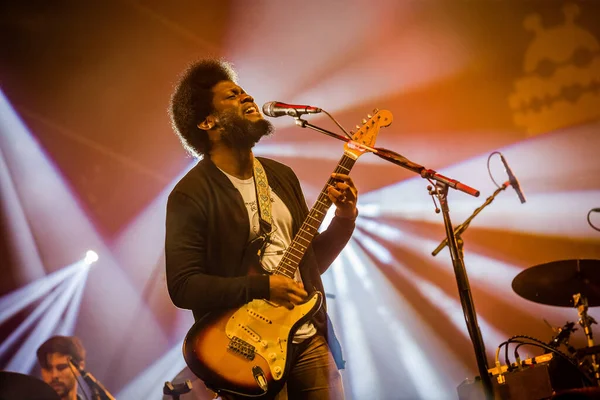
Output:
x=87 y=157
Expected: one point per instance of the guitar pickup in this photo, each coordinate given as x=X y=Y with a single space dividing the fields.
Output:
x=258 y=316
x=255 y=336
x=242 y=348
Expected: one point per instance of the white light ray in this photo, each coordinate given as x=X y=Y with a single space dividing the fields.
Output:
x=149 y=383
x=545 y=163
x=40 y=187
x=15 y=301
x=408 y=346
x=286 y=36
x=21 y=239
x=492 y=275
x=141 y=243
x=67 y=327
x=361 y=366
x=49 y=299
x=452 y=308
x=484 y=270
x=411 y=59
x=449 y=306
x=532 y=217
x=66 y=233
x=25 y=357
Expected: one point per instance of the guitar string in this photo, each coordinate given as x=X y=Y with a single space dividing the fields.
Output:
x=286 y=265
x=323 y=203
x=322 y=200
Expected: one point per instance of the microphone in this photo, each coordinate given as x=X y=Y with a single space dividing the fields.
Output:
x=94 y=384
x=277 y=109
x=513 y=180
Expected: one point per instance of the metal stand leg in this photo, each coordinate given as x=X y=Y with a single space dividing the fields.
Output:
x=586 y=322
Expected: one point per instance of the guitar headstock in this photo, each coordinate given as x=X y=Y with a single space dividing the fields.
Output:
x=367 y=132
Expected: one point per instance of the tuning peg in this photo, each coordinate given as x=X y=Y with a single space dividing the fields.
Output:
x=369 y=116
x=375 y=111
x=351 y=132
x=364 y=121
x=358 y=127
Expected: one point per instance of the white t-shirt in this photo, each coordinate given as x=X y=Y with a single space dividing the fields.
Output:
x=281 y=236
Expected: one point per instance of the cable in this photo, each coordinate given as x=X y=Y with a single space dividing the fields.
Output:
x=590 y=221
x=338 y=124
x=536 y=343
x=488 y=167
x=539 y=343
x=506 y=343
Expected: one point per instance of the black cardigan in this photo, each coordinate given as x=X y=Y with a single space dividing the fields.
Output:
x=207 y=230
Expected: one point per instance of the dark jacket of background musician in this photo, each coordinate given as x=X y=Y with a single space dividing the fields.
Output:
x=207 y=230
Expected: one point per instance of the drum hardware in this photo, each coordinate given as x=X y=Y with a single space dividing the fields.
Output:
x=521 y=340
x=563 y=334
x=534 y=378
x=567 y=283
x=16 y=386
x=586 y=322
x=176 y=390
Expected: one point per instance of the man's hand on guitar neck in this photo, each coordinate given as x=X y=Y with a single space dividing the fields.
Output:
x=285 y=291
x=344 y=195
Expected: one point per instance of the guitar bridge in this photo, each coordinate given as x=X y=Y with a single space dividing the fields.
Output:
x=242 y=348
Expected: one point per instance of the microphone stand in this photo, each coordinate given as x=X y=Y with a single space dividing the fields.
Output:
x=97 y=388
x=99 y=392
x=459 y=230
x=441 y=191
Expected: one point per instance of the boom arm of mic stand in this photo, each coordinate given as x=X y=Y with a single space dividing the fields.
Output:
x=463 y=227
x=397 y=159
x=457 y=261
x=305 y=124
x=94 y=383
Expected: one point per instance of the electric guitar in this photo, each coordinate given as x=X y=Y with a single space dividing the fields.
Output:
x=244 y=351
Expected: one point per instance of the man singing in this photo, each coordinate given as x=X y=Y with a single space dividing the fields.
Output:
x=213 y=213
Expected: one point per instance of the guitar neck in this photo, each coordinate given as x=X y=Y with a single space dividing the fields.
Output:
x=295 y=252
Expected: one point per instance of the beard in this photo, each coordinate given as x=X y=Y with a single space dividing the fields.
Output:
x=240 y=133
x=61 y=388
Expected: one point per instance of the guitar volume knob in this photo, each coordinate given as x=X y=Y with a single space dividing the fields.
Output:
x=272 y=356
x=277 y=371
x=264 y=344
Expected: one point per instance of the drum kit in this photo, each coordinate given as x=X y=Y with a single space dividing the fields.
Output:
x=15 y=386
x=567 y=283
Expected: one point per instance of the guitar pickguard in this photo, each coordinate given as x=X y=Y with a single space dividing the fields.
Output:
x=263 y=328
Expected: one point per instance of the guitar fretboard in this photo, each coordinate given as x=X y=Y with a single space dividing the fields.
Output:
x=295 y=252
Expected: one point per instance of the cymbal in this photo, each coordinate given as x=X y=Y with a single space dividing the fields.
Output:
x=15 y=386
x=556 y=282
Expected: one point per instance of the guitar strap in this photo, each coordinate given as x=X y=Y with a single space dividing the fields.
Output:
x=261 y=185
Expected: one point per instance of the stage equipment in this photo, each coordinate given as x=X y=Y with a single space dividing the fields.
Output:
x=15 y=386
